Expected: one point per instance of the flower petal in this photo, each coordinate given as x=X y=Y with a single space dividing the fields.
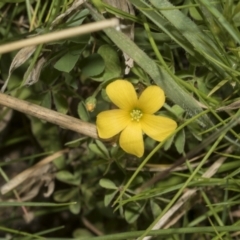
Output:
x=131 y=139
x=122 y=94
x=151 y=99
x=110 y=123
x=157 y=127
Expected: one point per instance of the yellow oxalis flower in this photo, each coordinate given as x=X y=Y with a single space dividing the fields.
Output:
x=134 y=116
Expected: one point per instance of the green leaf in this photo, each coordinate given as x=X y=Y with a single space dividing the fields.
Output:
x=195 y=14
x=103 y=148
x=180 y=141
x=109 y=197
x=133 y=211
x=75 y=208
x=80 y=39
x=107 y=183
x=115 y=153
x=178 y=111
x=68 y=61
x=77 y=18
x=168 y=143
x=68 y=177
x=47 y=135
x=60 y=103
x=82 y=233
x=65 y=195
x=82 y=112
x=70 y=81
x=92 y=65
x=195 y=130
x=156 y=210
x=76 y=143
x=47 y=101
x=112 y=64
x=104 y=95
x=95 y=149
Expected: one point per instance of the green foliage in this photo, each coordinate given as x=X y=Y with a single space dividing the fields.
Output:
x=82 y=112
x=68 y=177
x=67 y=62
x=106 y=183
x=180 y=141
x=112 y=64
x=188 y=48
x=92 y=65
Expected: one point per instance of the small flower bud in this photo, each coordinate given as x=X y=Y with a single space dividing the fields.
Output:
x=90 y=104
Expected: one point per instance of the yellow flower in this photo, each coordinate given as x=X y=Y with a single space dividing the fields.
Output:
x=134 y=116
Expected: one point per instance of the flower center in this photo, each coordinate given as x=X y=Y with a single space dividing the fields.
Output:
x=136 y=115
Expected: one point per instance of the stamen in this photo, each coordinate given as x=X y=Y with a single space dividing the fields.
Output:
x=136 y=115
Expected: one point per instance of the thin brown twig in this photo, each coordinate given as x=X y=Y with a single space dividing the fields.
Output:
x=59 y=35
x=21 y=177
x=91 y=227
x=48 y=115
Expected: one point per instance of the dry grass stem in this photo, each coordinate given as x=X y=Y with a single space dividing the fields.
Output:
x=188 y=194
x=48 y=115
x=28 y=172
x=91 y=227
x=56 y=36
